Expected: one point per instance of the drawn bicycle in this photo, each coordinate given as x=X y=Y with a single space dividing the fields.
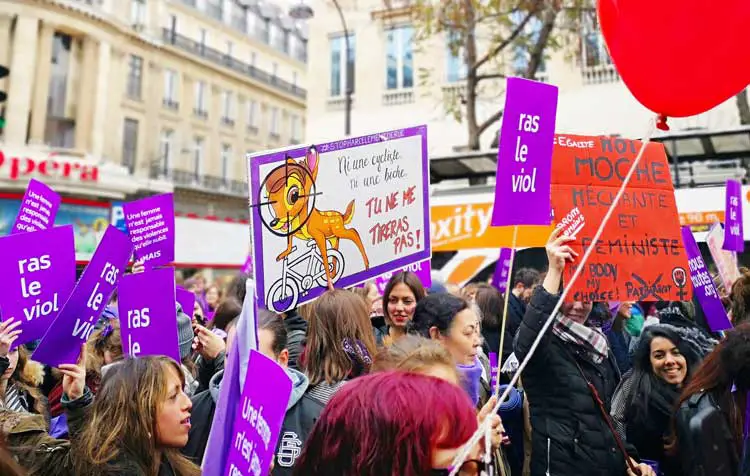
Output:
x=299 y=274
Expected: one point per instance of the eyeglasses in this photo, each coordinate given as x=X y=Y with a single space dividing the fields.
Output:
x=472 y=467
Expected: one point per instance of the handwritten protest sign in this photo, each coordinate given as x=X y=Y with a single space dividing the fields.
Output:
x=359 y=205
x=640 y=256
x=148 y=320
x=38 y=208
x=36 y=278
x=258 y=422
x=734 y=239
x=75 y=322
x=186 y=300
x=522 y=189
x=726 y=261
x=421 y=269
x=502 y=268
x=703 y=285
x=150 y=223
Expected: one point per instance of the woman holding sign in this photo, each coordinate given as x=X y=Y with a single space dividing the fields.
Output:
x=569 y=381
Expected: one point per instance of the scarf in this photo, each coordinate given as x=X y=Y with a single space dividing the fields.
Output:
x=590 y=339
x=471 y=376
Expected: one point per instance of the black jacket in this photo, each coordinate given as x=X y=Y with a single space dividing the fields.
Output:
x=202 y=416
x=296 y=329
x=516 y=311
x=569 y=435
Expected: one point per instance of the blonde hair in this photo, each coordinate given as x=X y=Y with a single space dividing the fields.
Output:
x=413 y=354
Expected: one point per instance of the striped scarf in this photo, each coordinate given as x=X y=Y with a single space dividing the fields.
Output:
x=590 y=339
x=14 y=400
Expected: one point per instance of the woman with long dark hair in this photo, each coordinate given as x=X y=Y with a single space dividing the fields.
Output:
x=644 y=402
x=710 y=425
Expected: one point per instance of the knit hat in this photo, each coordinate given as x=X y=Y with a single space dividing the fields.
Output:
x=185 y=333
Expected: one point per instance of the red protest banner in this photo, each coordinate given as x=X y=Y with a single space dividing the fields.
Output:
x=640 y=256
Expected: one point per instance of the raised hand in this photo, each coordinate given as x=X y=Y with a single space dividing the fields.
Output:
x=74 y=376
x=9 y=332
x=206 y=343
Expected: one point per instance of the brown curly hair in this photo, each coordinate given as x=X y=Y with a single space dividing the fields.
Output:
x=27 y=377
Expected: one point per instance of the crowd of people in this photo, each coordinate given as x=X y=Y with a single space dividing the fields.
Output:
x=398 y=384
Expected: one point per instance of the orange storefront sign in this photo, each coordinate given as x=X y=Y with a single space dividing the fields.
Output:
x=463 y=227
x=701 y=221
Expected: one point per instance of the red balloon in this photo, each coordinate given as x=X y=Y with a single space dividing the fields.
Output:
x=679 y=57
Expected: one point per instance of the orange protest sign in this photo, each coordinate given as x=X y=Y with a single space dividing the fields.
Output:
x=640 y=256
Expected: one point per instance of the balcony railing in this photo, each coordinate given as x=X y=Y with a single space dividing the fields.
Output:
x=191 y=46
x=187 y=179
x=171 y=104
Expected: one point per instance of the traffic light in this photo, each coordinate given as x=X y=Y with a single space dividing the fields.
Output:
x=3 y=96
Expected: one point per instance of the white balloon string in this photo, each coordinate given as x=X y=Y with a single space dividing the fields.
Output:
x=464 y=453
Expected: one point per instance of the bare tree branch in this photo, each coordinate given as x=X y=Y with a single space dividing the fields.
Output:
x=489 y=121
x=537 y=52
x=482 y=77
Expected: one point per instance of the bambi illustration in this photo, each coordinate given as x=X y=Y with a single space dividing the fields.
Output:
x=289 y=189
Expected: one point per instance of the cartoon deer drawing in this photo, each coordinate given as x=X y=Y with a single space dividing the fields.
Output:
x=289 y=189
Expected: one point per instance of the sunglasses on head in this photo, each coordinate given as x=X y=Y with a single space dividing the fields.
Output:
x=472 y=467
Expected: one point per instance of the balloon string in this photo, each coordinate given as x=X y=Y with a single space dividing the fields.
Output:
x=464 y=453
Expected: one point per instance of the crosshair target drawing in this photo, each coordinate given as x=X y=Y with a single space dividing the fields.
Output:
x=286 y=197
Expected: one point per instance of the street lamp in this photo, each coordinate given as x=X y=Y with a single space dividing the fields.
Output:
x=302 y=11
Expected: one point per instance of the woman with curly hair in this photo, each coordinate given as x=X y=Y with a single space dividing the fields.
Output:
x=21 y=377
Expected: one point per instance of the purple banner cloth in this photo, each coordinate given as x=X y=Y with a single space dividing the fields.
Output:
x=734 y=238
x=148 y=316
x=703 y=285
x=38 y=208
x=502 y=268
x=186 y=300
x=62 y=342
x=421 y=269
x=247 y=268
x=494 y=370
x=150 y=223
x=37 y=274
x=258 y=417
x=524 y=155
x=233 y=381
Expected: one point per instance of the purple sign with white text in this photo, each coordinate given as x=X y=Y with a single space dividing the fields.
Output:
x=148 y=316
x=37 y=274
x=75 y=322
x=38 y=208
x=337 y=214
x=734 y=238
x=703 y=285
x=151 y=225
x=502 y=269
x=524 y=155
x=186 y=300
x=258 y=417
x=421 y=269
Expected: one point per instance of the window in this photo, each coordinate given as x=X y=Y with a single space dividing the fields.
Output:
x=130 y=144
x=135 y=76
x=456 y=66
x=593 y=50
x=400 y=58
x=274 y=129
x=200 y=99
x=227 y=108
x=239 y=17
x=262 y=29
x=274 y=34
x=285 y=41
x=137 y=12
x=170 y=89
x=338 y=64
x=198 y=144
x=226 y=158
x=252 y=115
x=295 y=132
x=166 y=151
x=214 y=9
x=529 y=36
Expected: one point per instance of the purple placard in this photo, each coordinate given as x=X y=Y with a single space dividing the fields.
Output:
x=258 y=417
x=734 y=238
x=62 y=342
x=148 y=316
x=421 y=269
x=186 y=300
x=494 y=370
x=502 y=268
x=36 y=278
x=524 y=154
x=38 y=208
x=703 y=285
x=377 y=185
x=150 y=223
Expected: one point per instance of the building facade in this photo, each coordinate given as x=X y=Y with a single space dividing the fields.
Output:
x=110 y=100
x=400 y=82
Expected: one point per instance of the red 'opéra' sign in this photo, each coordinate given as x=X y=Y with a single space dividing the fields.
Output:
x=19 y=167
